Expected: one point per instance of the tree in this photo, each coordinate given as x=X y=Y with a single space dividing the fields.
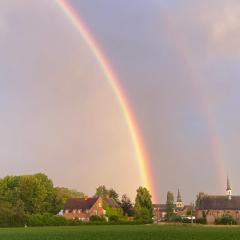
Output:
x=127 y=206
x=113 y=195
x=199 y=197
x=11 y=215
x=143 y=204
x=191 y=210
x=27 y=195
x=102 y=191
x=35 y=191
x=114 y=212
x=170 y=205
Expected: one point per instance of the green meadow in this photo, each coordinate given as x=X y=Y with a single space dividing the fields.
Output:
x=139 y=232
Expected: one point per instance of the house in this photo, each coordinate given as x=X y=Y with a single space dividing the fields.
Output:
x=214 y=207
x=159 y=212
x=84 y=208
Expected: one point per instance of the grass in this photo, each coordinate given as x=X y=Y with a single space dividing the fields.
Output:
x=144 y=232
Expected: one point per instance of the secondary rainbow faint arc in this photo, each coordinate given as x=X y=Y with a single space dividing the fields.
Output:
x=122 y=100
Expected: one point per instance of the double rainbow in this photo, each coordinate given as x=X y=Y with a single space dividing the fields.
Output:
x=140 y=151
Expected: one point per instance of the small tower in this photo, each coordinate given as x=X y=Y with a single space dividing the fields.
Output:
x=179 y=202
x=229 y=189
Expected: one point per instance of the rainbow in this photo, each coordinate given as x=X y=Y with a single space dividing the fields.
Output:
x=140 y=151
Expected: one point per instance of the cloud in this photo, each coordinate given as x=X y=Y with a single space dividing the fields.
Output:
x=213 y=26
x=223 y=26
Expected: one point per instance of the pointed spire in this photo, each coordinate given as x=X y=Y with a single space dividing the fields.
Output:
x=228 y=184
x=229 y=189
x=179 y=198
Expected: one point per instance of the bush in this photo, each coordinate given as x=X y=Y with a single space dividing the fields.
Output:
x=142 y=214
x=114 y=218
x=225 y=220
x=114 y=212
x=74 y=222
x=201 y=220
x=46 y=220
x=59 y=220
x=95 y=218
x=174 y=218
x=186 y=220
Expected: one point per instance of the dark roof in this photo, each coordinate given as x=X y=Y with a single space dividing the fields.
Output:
x=79 y=203
x=111 y=202
x=219 y=203
x=179 y=197
x=87 y=203
x=163 y=207
x=160 y=206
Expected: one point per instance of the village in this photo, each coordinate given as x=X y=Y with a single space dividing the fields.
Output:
x=208 y=209
x=33 y=200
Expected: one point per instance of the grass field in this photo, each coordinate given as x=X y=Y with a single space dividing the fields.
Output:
x=145 y=232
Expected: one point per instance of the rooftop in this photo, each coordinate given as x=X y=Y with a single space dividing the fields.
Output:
x=218 y=203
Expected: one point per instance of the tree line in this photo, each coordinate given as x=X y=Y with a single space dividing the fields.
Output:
x=32 y=198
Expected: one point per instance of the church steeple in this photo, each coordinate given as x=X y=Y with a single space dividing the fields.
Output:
x=179 y=202
x=179 y=198
x=229 y=189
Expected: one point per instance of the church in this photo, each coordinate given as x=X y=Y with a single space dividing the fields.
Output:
x=213 y=207
x=160 y=210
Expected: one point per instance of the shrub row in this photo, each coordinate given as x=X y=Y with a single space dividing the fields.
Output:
x=56 y=220
x=225 y=220
x=46 y=220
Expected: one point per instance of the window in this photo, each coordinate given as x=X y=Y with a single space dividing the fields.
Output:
x=99 y=204
x=66 y=211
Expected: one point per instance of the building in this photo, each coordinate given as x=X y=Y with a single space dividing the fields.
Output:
x=180 y=208
x=214 y=207
x=160 y=210
x=84 y=208
x=179 y=203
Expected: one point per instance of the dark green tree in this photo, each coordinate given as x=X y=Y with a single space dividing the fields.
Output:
x=127 y=206
x=191 y=210
x=200 y=196
x=12 y=215
x=102 y=191
x=113 y=195
x=170 y=206
x=143 y=204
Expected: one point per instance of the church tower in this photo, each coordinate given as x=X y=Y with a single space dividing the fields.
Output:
x=229 y=189
x=179 y=202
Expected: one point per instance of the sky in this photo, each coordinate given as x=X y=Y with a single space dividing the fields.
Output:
x=178 y=63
